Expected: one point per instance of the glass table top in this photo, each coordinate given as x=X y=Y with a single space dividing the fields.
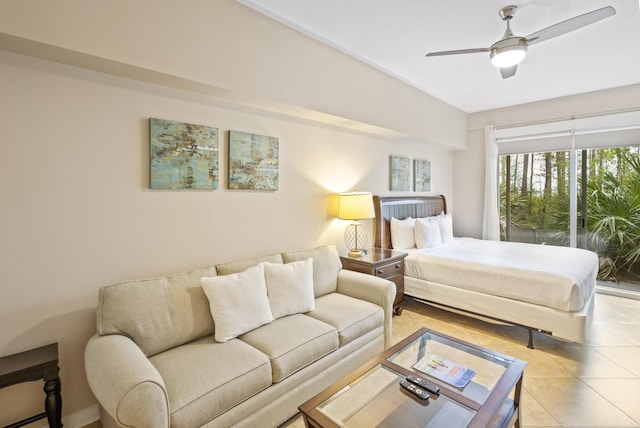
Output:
x=377 y=399
x=443 y=362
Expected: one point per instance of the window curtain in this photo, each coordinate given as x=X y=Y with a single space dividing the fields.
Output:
x=491 y=218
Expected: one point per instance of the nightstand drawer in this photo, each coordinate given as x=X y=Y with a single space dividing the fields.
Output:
x=390 y=269
x=386 y=264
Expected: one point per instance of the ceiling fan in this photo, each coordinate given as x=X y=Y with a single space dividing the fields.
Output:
x=507 y=52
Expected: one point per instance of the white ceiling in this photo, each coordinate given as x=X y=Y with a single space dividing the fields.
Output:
x=395 y=35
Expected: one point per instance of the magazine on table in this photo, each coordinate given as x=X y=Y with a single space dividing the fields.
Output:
x=445 y=370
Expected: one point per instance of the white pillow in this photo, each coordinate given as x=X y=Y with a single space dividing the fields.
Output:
x=238 y=302
x=402 y=235
x=290 y=287
x=427 y=231
x=446 y=226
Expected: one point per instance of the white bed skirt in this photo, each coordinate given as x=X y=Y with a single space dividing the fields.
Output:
x=571 y=326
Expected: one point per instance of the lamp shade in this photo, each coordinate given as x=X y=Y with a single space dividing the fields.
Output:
x=355 y=206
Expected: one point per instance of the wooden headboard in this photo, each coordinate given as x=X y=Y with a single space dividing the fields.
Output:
x=401 y=208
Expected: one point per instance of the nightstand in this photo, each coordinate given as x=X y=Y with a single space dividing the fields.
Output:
x=387 y=264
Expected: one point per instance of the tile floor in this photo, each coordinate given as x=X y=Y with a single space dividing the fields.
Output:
x=596 y=384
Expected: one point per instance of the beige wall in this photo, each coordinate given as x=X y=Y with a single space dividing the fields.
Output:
x=469 y=164
x=228 y=46
x=77 y=213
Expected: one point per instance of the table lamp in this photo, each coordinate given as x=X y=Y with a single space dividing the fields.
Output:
x=355 y=206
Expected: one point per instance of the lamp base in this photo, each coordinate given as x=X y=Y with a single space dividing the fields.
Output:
x=355 y=239
x=355 y=253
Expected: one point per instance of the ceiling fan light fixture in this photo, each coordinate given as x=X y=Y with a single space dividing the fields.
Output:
x=508 y=52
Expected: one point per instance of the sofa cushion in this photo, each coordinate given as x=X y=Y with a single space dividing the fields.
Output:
x=290 y=287
x=292 y=343
x=238 y=302
x=242 y=265
x=326 y=265
x=351 y=317
x=175 y=309
x=204 y=378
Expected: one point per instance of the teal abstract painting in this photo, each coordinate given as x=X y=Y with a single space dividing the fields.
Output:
x=253 y=161
x=183 y=155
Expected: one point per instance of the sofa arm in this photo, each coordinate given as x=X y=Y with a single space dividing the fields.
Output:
x=376 y=290
x=125 y=383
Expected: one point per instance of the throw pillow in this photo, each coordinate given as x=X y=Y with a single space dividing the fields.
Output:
x=446 y=226
x=326 y=265
x=427 y=232
x=402 y=235
x=238 y=302
x=290 y=287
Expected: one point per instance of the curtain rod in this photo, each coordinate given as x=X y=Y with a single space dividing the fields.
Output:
x=566 y=133
x=562 y=119
x=574 y=117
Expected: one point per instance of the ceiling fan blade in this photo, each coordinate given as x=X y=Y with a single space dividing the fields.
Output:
x=459 y=51
x=508 y=71
x=570 y=25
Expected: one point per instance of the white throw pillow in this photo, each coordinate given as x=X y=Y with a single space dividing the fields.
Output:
x=446 y=226
x=326 y=265
x=402 y=235
x=427 y=232
x=238 y=302
x=290 y=287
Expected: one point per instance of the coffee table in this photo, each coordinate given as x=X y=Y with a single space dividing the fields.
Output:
x=372 y=396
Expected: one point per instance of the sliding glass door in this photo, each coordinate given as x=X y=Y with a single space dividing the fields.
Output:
x=534 y=193
x=613 y=211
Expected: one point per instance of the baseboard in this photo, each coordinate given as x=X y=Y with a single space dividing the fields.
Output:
x=80 y=419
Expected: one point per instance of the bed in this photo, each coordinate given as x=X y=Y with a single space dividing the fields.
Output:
x=542 y=288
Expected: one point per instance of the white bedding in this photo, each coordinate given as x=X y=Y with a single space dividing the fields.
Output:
x=557 y=277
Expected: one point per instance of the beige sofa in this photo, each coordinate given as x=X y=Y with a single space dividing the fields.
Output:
x=157 y=360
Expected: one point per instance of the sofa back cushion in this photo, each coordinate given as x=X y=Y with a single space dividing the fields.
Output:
x=242 y=265
x=326 y=265
x=157 y=314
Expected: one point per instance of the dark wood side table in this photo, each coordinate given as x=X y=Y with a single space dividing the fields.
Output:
x=387 y=264
x=35 y=364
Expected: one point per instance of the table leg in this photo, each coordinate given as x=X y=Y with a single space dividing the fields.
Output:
x=53 y=403
x=516 y=401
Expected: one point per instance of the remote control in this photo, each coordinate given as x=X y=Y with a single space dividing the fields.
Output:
x=415 y=390
x=423 y=384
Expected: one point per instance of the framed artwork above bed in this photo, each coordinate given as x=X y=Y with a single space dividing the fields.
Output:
x=399 y=173
x=421 y=175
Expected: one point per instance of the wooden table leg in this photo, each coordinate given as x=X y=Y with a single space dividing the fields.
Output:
x=53 y=403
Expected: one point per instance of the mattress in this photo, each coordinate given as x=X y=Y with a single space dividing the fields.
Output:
x=561 y=278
